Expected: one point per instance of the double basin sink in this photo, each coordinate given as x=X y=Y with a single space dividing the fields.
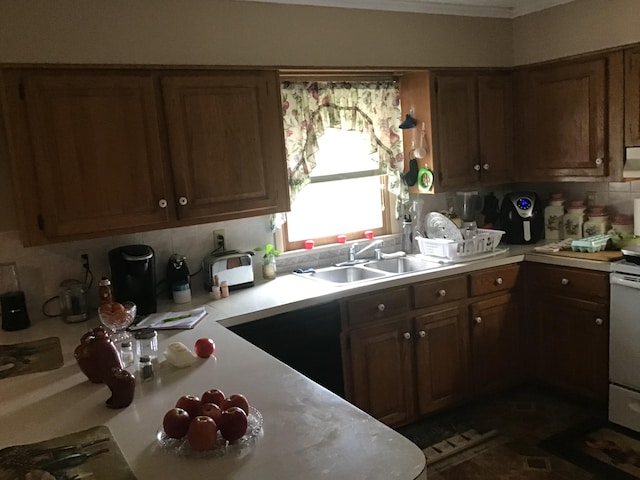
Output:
x=371 y=270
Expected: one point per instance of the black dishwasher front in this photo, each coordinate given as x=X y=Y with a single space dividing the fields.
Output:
x=308 y=340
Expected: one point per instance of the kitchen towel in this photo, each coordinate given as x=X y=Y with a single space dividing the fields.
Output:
x=636 y=216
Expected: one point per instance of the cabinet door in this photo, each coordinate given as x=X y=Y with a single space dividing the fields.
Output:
x=227 y=144
x=495 y=343
x=495 y=127
x=632 y=97
x=441 y=358
x=96 y=150
x=456 y=129
x=572 y=345
x=564 y=108
x=381 y=359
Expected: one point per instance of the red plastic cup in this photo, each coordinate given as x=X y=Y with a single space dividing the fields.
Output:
x=342 y=238
x=368 y=234
x=308 y=244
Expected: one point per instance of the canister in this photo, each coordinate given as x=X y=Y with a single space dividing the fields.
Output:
x=574 y=219
x=597 y=223
x=553 y=218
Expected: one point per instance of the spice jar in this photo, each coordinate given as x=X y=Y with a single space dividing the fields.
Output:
x=146 y=368
x=597 y=223
x=105 y=292
x=126 y=354
x=146 y=343
x=574 y=219
x=553 y=218
x=224 y=289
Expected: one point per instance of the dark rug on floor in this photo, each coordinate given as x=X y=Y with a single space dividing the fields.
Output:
x=600 y=447
x=438 y=428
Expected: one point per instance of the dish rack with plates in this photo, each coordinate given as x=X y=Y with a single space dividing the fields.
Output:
x=483 y=243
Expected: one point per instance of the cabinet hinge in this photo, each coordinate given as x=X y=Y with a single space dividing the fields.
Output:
x=21 y=91
x=40 y=222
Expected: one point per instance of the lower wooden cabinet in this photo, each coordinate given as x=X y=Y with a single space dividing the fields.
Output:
x=495 y=343
x=381 y=370
x=572 y=345
x=441 y=358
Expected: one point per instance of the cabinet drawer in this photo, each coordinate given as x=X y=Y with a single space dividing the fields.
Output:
x=494 y=280
x=378 y=305
x=570 y=282
x=442 y=290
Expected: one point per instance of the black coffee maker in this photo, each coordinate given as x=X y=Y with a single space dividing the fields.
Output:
x=133 y=276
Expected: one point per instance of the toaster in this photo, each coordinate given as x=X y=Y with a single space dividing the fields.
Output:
x=231 y=266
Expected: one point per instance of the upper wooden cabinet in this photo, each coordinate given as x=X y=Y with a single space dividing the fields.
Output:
x=468 y=119
x=632 y=97
x=570 y=119
x=110 y=151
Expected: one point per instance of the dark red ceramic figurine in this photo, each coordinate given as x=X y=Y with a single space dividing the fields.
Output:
x=97 y=355
x=122 y=385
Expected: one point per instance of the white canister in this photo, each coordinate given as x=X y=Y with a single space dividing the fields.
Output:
x=574 y=219
x=554 y=218
x=598 y=222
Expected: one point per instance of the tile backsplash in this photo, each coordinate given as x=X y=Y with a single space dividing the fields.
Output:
x=41 y=269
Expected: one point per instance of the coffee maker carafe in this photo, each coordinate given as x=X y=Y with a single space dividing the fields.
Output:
x=13 y=305
x=133 y=277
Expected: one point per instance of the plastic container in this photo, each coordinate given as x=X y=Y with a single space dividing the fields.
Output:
x=554 y=218
x=181 y=292
x=574 y=219
x=591 y=244
x=484 y=242
x=146 y=343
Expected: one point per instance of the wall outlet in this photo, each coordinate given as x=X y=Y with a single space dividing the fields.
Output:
x=218 y=240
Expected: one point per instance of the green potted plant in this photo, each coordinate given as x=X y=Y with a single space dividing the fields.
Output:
x=268 y=260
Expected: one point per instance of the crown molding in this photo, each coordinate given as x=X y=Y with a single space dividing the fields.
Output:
x=471 y=8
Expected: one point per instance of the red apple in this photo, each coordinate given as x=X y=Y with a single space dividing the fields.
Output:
x=236 y=400
x=213 y=396
x=205 y=347
x=176 y=423
x=211 y=410
x=233 y=423
x=190 y=403
x=203 y=433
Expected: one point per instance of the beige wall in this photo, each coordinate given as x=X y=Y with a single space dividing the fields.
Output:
x=577 y=27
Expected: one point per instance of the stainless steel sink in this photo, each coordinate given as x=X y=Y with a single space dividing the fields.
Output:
x=402 y=265
x=345 y=275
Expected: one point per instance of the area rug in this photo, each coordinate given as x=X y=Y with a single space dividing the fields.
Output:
x=600 y=447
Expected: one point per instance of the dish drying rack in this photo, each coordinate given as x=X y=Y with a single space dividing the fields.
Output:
x=483 y=244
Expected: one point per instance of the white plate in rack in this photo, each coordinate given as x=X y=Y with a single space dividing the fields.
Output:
x=438 y=225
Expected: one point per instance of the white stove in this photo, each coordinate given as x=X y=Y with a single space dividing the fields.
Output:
x=624 y=345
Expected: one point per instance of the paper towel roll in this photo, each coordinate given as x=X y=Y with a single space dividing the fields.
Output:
x=636 y=216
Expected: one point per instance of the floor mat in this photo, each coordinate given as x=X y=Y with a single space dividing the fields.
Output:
x=600 y=447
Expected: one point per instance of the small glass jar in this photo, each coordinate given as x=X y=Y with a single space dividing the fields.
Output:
x=574 y=219
x=146 y=368
x=269 y=267
x=146 y=343
x=554 y=218
x=105 y=292
x=126 y=354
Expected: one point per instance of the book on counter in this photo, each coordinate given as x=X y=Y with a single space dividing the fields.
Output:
x=171 y=320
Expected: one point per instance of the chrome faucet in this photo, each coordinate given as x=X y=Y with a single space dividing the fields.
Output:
x=353 y=252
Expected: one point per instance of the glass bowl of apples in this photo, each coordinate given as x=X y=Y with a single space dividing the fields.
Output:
x=116 y=317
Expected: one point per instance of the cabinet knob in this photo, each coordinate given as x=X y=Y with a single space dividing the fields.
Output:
x=599 y=161
x=599 y=321
x=162 y=203
x=476 y=167
x=381 y=307
x=406 y=335
x=485 y=167
x=442 y=293
x=478 y=320
x=564 y=281
x=422 y=333
x=183 y=201
x=499 y=281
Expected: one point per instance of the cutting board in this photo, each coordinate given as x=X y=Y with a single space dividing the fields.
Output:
x=602 y=256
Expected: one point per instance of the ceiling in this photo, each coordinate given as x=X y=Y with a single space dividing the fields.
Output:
x=473 y=8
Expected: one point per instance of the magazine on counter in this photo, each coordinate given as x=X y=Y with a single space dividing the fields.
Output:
x=171 y=320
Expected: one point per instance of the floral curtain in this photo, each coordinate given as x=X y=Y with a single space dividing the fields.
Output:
x=373 y=108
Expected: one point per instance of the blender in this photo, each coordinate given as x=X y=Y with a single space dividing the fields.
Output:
x=467 y=205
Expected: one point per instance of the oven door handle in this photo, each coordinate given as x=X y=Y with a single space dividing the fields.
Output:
x=616 y=280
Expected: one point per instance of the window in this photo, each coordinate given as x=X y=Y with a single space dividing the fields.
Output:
x=343 y=144
x=346 y=194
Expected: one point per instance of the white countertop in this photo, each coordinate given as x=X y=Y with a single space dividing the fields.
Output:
x=308 y=431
